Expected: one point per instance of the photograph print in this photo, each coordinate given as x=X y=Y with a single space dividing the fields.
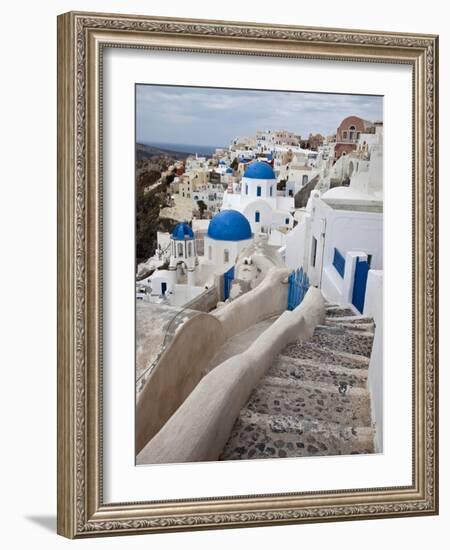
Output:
x=259 y=274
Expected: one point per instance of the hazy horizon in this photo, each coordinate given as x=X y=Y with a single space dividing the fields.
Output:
x=193 y=116
x=162 y=143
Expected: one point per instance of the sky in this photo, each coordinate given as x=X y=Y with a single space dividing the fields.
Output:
x=215 y=116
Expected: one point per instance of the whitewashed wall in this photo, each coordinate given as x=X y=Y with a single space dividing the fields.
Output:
x=373 y=307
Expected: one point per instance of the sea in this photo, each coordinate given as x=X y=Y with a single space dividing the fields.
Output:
x=201 y=150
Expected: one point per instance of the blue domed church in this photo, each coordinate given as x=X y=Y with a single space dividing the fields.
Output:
x=228 y=233
x=183 y=250
x=257 y=199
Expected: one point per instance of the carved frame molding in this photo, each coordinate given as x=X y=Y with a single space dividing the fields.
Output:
x=81 y=39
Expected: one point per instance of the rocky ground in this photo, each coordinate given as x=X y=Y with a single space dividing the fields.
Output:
x=314 y=400
x=180 y=211
x=156 y=325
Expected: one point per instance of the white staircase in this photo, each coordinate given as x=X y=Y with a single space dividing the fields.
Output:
x=313 y=401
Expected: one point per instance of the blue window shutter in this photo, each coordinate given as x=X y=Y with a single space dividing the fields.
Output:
x=339 y=262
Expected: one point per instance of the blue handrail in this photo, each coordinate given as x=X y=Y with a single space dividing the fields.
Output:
x=298 y=286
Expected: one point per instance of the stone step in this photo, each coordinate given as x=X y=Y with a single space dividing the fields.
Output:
x=353 y=326
x=349 y=320
x=364 y=329
x=311 y=401
x=310 y=371
x=340 y=339
x=338 y=311
x=313 y=352
x=297 y=408
x=256 y=435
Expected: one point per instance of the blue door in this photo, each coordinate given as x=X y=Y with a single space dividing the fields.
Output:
x=163 y=288
x=227 y=281
x=359 y=286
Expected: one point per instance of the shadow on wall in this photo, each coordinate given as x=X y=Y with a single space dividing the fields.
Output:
x=46 y=522
x=302 y=196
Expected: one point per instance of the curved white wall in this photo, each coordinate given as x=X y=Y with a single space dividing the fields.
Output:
x=199 y=429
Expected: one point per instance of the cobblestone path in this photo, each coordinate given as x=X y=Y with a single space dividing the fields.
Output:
x=313 y=401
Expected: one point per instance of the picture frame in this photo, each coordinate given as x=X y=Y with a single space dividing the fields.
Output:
x=82 y=41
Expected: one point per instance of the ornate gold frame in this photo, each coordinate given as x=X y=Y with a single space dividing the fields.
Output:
x=81 y=37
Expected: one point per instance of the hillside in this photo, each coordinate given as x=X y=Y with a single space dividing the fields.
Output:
x=148 y=151
x=149 y=204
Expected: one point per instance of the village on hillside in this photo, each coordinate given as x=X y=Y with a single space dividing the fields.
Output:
x=259 y=306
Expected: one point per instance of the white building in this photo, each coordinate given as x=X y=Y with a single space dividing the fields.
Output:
x=266 y=140
x=196 y=163
x=189 y=274
x=183 y=251
x=229 y=232
x=178 y=284
x=340 y=230
x=243 y=144
x=259 y=200
x=210 y=193
x=364 y=166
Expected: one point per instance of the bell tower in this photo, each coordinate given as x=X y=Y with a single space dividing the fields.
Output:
x=183 y=250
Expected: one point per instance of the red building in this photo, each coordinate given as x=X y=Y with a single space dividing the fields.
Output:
x=180 y=169
x=348 y=133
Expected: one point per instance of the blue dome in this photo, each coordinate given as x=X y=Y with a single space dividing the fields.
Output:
x=229 y=225
x=229 y=171
x=221 y=161
x=260 y=170
x=182 y=231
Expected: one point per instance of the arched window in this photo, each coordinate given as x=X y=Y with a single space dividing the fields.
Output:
x=226 y=256
x=257 y=216
x=271 y=190
x=258 y=191
x=180 y=249
x=209 y=252
x=189 y=249
x=304 y=179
